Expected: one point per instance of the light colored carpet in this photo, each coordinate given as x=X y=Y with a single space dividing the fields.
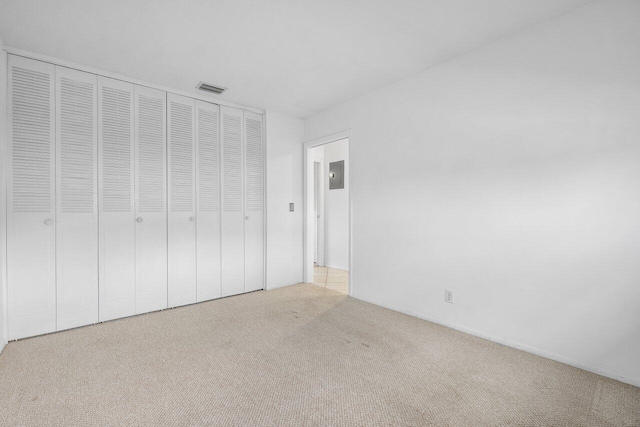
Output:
x=298 y=356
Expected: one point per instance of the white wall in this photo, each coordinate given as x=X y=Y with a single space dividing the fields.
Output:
x=3 y=196
x=511 y=176
x=284 y=185
x=336 y=209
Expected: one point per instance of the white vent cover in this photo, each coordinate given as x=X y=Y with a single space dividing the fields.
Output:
x=218 y=90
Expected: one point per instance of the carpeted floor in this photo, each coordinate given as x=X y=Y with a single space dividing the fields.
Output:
x=297 y=356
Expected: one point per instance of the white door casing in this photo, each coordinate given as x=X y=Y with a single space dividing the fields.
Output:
x=316 y=212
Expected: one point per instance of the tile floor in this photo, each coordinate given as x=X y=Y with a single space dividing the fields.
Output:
x=331 y=278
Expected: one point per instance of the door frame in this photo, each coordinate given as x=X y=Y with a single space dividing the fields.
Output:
x=319 y=230
x=307 y=168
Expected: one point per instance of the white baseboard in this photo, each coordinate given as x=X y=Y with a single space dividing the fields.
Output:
x=509 y=343
x=2 y=344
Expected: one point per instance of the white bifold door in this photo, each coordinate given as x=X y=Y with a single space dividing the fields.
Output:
x=254 y=205
x=150 y=199
x=182 y=201
x=117 y=219
x=242 y=201
x=133 y=208
x=124 y=199
x=76 y=198
x=31 y=267
x=208 y=200
x=232 y=201
x=53 y=205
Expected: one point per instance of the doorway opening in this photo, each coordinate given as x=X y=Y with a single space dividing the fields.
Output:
x=328 y=214
x=318 y=232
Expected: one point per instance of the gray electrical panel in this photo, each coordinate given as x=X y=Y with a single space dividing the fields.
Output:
x=336 y=175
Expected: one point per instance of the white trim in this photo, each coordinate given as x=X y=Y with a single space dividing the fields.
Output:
x=264 y=203
x=320 y=225
x=328 y=139
x=508 y=343
x=346 y=134
x=116 y=76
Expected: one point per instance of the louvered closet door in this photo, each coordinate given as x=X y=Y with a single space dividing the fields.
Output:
x=182 y=219
x=116 y=190
x=208 y=200
x=31 y=202
x=77 y=198
x=253 y=204
x=232 y=235
x=151 y=206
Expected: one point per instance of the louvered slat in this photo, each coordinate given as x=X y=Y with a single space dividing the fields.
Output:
x=77 y=129
x=31 y=140
x=116 y=150
x=208 y=161
x=232 y=162
x=253 y=164
x=151 y=151
x=182 y=185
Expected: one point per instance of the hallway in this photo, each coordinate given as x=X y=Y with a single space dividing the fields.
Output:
x=332 y=278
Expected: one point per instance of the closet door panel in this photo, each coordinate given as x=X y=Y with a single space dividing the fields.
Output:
x=182 y=220
x=254 y=202
x=31 y=199
x=232 y=215
x=151 y=206
x=116 y=191
x=77 y=198
x=208 y=200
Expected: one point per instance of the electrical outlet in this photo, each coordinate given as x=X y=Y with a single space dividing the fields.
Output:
x=448 y=296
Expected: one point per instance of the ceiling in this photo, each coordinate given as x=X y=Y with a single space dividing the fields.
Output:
x=298 y=57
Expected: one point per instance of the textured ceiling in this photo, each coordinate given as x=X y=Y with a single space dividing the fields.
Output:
x=298 y=57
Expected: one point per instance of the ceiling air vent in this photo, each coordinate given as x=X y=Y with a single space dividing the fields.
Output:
x=211 y=88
